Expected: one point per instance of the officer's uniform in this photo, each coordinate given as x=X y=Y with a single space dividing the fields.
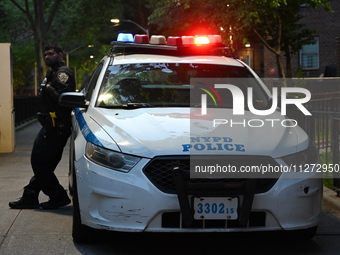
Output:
x=51 y=140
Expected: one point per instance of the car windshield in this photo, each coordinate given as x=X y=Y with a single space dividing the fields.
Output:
x=176 y=85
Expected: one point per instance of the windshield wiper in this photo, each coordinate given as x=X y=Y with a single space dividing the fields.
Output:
x=129 y=106
x=136 y=105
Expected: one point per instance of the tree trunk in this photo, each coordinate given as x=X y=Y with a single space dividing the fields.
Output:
x=40 y=35
x=280 y=66
x=289 y=64
x=39 y=28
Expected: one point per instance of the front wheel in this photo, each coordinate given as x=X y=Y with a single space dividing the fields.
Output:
x=300 y=235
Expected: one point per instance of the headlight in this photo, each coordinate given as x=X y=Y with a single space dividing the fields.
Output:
x=110 y=159
x=302 y=159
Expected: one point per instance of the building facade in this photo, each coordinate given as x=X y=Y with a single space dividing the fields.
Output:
x=315 y=60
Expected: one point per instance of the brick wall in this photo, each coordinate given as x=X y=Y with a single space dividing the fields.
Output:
x=270 y=70
x=327 y=27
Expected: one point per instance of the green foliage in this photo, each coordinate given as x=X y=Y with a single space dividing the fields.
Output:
x=23 y=73
x=326 y=158
x=93 y=27
x=87 y=24
x=15 y=30
x=299 y=73
x=12 y=26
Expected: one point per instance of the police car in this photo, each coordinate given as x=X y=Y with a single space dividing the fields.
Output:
x=172 y=135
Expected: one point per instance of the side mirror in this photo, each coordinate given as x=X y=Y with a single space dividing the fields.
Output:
x=73 y=99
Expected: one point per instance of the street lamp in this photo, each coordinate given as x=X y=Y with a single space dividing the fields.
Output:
x=71 y=51
x=117 y=21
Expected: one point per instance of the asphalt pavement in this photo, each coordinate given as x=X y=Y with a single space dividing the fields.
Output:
x=42 y=231
x=31 y=231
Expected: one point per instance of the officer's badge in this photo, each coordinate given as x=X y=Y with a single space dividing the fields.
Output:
x=63 y=77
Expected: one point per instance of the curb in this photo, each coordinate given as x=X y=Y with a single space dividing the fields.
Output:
x=330 y=197
x=25 y=124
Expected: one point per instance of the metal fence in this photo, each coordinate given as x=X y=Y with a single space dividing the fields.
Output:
x=25 y=108
x=335 y=156
x=323 y=127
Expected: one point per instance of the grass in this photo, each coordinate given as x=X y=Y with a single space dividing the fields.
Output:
x=327 y=158
x=328 y=182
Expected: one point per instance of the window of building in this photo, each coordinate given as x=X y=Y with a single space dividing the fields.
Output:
x=309 y=56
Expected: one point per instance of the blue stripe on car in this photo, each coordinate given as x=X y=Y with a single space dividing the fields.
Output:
x=85 y=130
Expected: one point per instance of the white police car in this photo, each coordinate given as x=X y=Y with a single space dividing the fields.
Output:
x=164 y=140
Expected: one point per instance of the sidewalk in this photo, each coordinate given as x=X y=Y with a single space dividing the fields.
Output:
x=331 y=199
x=31 y=231
x=15 y=168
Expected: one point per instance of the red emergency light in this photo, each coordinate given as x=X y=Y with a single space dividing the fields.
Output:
x=141 y=39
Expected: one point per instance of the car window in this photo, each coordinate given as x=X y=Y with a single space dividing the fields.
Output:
x=92 y=83
x=175 y=84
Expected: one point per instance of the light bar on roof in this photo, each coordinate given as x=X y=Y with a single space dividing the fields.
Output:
x=174 y=45
x=172 y=40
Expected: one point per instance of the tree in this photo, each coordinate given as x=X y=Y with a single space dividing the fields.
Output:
x=89 y=24
x=16 y=30
x=267 y=19
x=29 y=24
x=40 y=15
x=294 y=36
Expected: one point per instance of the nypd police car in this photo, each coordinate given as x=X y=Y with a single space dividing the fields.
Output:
x=172 y=135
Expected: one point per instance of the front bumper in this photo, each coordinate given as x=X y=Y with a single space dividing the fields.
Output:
x=130 y=202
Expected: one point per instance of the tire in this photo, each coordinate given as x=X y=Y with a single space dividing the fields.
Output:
x=72 y=156
x=71 y=167
x=300 y=235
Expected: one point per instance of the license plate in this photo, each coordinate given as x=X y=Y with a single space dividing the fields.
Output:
x=215 y=208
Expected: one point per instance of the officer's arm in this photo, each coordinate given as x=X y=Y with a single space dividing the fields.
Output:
x=64 y=83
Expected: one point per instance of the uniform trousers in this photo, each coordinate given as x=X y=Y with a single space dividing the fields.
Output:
x=46 y=154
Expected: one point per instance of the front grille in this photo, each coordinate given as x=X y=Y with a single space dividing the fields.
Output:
x=160 y=172
x=173 y=220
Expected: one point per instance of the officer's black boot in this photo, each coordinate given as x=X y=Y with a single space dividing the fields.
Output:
x=56 y=202
x=29 y=200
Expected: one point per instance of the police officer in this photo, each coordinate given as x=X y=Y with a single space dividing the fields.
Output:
x=52 y=137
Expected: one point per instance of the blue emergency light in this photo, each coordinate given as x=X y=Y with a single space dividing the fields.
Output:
x=125 y=37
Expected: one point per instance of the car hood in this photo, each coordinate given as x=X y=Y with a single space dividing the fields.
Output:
x=149 y=132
